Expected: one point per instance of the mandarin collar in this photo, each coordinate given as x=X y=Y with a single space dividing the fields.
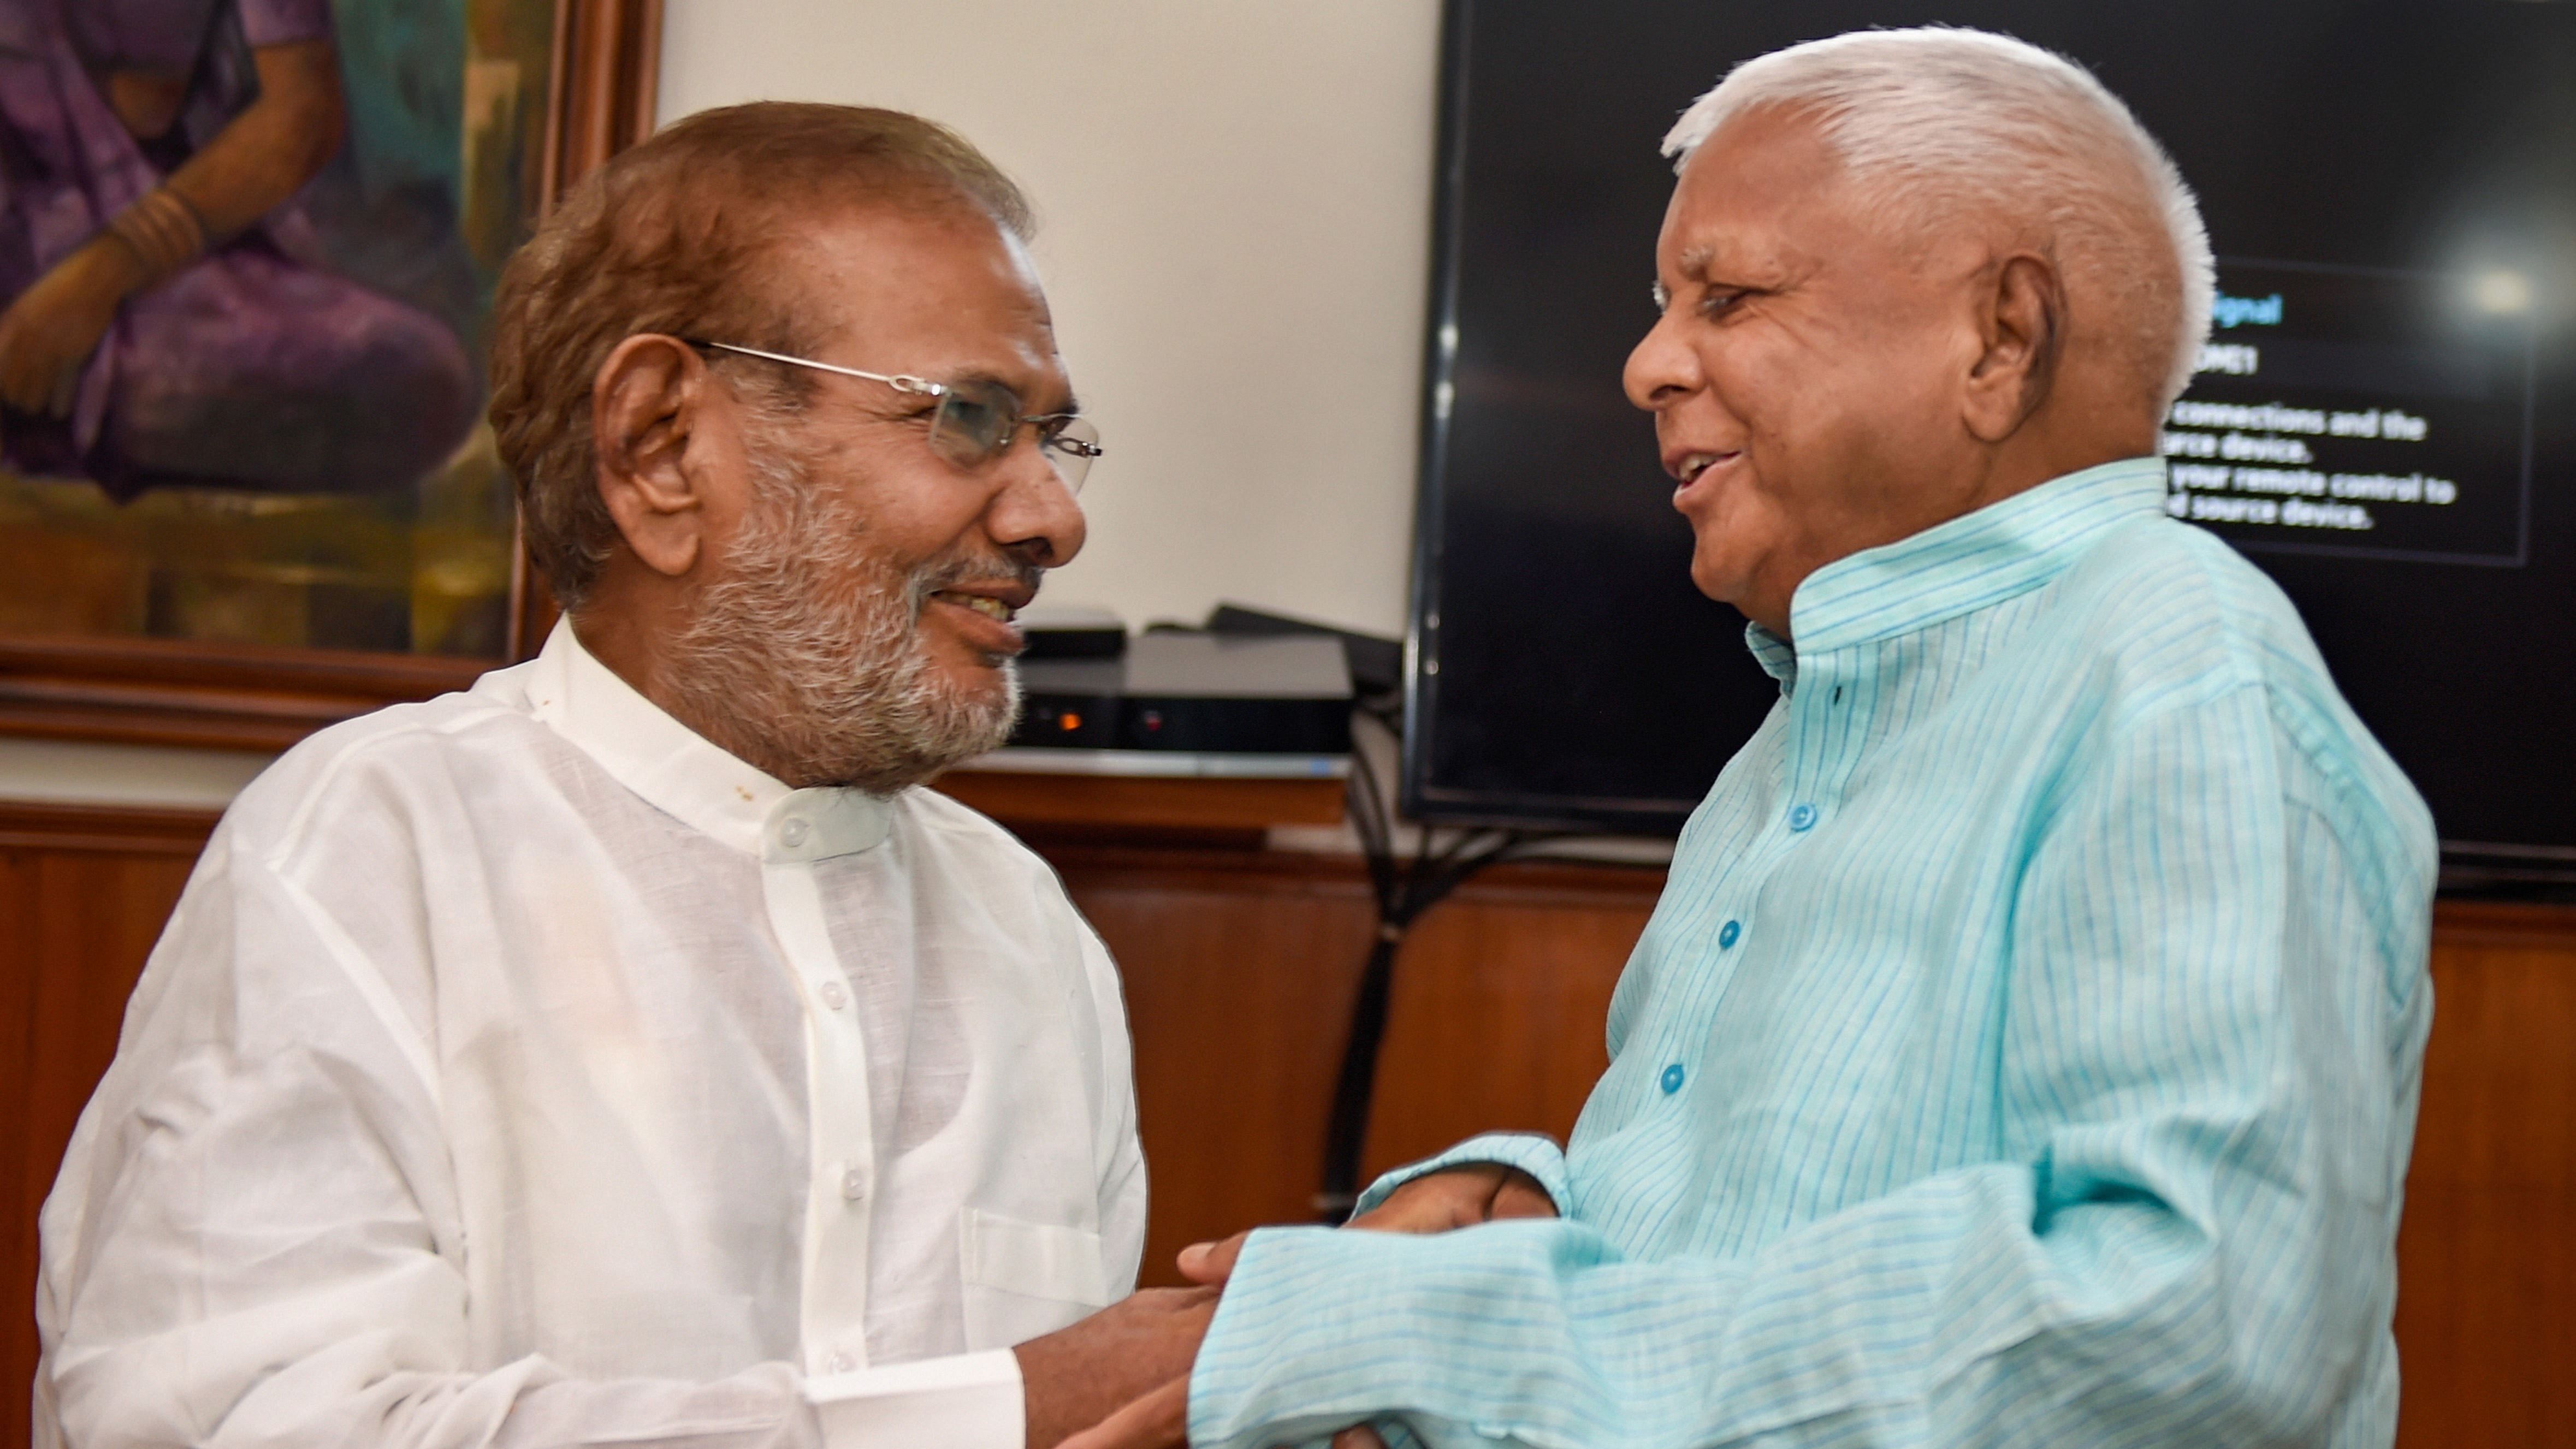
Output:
x=683 y=774
x=2006 y=548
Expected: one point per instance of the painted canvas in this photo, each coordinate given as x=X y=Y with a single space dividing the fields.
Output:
x=248 y=249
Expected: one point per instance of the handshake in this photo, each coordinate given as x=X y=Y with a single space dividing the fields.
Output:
x=1120 y=1379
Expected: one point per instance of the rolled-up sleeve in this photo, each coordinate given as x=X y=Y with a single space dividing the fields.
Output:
x=2186 y=1235
x=1538 y=1156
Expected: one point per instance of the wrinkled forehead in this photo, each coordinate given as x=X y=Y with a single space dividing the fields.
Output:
x=876 y=258
x=1770 y=189
x=937 y=291
x=1764 y=185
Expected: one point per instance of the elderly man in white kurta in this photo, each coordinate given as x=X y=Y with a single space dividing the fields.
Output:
x=625 y=1049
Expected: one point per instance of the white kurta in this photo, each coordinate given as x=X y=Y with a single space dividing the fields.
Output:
x=520 y=1068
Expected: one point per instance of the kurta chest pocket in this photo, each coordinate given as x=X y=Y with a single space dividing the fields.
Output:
x=1026 y=1279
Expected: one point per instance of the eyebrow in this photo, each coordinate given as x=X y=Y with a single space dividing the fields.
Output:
x=1693 y=265
x=1072 y=406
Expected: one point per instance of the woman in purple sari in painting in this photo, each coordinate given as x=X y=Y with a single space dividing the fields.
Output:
x=171 y=321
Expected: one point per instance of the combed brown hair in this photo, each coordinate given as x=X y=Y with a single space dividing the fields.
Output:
x=666 y=238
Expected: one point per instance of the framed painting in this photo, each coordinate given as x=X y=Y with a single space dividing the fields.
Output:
x=247 y=256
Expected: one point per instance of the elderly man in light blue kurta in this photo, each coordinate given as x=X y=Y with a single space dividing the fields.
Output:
x=2026 y=1049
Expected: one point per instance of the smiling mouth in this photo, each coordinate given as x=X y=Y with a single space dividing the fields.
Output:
x=1694 y=464
x=990 y=608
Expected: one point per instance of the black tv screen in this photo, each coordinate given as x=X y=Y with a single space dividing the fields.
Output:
x=2385 y=419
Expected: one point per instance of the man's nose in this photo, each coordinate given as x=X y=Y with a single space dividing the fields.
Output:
x=1662 y=368
x=1035 y=515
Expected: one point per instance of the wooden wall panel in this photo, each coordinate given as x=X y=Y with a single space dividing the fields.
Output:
x=2486 y=1306
x=1239 y=969
x=1239 y=977
x=21 y=1160
x=83 y=894
x=1238 y=988
x=1497 y=1013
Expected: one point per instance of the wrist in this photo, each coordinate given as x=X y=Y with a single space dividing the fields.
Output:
x=158 y=235
x=111 y=262
x=1532 y=1153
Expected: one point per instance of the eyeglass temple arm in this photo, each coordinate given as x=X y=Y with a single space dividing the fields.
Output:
x=900 y=382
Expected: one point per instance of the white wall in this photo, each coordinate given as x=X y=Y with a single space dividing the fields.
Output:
x=1234 y=201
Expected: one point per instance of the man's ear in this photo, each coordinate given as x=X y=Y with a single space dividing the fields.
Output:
x=647 y=406
x=2020 y=314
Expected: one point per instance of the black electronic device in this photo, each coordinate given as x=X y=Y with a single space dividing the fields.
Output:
x=1377 y=663
x=2385 y=422
x=1189 y=691
x=1071 y=631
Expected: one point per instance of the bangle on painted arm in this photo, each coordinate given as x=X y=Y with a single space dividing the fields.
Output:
x=163 y=231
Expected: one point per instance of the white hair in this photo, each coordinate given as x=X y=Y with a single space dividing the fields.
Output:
x=1936 y=122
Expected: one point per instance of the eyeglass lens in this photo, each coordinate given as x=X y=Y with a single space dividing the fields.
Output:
x=977 y=422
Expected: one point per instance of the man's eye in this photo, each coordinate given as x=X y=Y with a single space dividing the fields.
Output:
x=976 y=417
x=1718 y=303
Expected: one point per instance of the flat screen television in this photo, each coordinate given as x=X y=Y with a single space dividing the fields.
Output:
x=2385 y=419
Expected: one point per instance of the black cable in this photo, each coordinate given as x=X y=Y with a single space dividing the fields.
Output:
x=1402 y=897
x=1346 y=1131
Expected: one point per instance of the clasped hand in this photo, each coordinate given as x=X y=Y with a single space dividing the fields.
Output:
x=1138 y=1353
x=49 y=332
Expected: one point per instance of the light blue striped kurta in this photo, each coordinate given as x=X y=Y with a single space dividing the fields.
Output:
x=2025 y=1051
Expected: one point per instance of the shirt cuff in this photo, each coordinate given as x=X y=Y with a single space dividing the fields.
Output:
x=968 y=1401
x=1538 y=1156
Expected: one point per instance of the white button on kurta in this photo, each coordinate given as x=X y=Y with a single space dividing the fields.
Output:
x=519 y=1068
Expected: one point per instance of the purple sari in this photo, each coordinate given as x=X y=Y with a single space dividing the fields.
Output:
x=254 y=368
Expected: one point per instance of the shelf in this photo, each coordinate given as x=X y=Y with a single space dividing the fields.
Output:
x=1022 y=798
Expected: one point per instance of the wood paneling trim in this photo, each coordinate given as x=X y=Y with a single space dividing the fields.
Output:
x=339 y=673
x=221 y=696
x=1518 y=882
x=116 y=829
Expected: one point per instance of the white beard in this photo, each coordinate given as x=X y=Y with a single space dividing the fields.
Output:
x=806 y=657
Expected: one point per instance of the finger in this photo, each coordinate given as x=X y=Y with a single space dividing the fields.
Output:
x=1212 y=1262
x=28 y=385
x=13 y=385
x=1358 y=1436
x=1160 y=1420
x=1380 y=1219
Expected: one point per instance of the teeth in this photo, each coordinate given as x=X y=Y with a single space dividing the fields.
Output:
x=989 y=608
x=1692 y=465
